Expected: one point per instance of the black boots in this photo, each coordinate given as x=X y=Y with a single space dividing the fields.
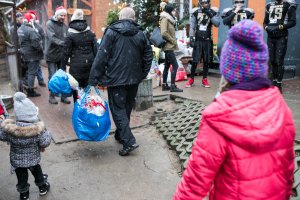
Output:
x=174 y=88
x=165 y=87
x=44 y=189
x=32 y=93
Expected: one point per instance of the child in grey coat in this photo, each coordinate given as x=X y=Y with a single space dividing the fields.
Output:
x=27 y=137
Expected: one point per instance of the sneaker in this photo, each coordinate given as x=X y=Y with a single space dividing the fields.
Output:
x=126 y=150
x=42 y=83
x=24 y=196
x=190 y=83
x=65 y=100
x=52 y=100
x=44 y=189
x=205 y=83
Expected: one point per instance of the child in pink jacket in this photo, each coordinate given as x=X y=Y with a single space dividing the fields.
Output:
x=244 y=148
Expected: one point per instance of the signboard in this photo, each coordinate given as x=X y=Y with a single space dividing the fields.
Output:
x=85 y=11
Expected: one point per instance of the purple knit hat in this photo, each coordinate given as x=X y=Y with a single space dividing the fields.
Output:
x=244 y=55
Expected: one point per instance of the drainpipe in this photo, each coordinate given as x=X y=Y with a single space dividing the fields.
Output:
x=19 y=85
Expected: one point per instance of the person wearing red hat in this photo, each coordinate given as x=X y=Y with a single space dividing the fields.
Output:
x=31 y=51
x=32 y=17
x=56 y=31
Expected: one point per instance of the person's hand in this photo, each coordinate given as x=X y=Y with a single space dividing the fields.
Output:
x=192 y=42
x=208 y=12
x=237 y=8
x=271 y=29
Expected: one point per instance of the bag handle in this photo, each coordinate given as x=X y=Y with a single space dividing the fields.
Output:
x=87 y=91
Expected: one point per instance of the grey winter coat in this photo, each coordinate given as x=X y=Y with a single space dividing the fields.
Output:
x=55 y=35
x=30 y=43
x=26 y=141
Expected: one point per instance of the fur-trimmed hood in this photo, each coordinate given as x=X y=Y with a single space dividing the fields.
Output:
x=168 y=16
x=22 y=129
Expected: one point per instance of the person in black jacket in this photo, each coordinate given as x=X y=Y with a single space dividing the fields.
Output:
x=31 y=50
x=123 y=60
x=232 y=16
x=279 y=17
x=80 y=47
x=202 y=21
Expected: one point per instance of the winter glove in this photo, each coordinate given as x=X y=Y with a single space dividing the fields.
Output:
x=192 y=42
x=271 y=29
x=208 y=12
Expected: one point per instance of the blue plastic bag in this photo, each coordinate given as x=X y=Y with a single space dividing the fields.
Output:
x=59 y=83
x=88 y=126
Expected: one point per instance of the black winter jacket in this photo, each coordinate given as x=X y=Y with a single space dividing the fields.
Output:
x=30 y=43
x=81 y=47
x=124 y=56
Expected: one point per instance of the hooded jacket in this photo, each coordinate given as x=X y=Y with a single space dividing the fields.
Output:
x=124 y=56
x=30 y=43
x=167 y=29
x=26 y=141
x=244 y=149
x=80 y=46
x=55 y=35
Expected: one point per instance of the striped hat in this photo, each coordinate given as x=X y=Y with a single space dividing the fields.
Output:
x=244 y=55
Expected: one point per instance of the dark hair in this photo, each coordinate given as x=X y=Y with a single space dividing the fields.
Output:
x=169 y=8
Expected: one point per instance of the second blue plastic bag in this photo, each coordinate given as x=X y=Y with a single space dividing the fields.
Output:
x=88 y=126
x=59 y=83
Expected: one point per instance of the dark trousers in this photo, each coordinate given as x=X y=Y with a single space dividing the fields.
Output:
x=32 y=69
x=170 y=59
x=202 y=51
x=205 y=69
x=22 y=176
x=121 y=101
x=277 y=49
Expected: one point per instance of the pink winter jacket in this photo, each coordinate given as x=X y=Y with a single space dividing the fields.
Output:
x=244 y=149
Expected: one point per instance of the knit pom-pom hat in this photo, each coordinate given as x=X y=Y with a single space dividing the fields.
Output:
x=24 y=108
x=244 y=55
x=77 y=15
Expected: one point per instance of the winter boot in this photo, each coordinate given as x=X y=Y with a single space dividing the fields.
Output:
x=190 y=83
x=52 y=99
x=65 y=100
x=274 y=82
x=42 y=83
x=44 y=189
x=165 y=87
x=32 y=93
x=174 y=88
x=24 y=195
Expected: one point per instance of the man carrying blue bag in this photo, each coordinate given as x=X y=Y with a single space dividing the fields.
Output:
x=123 y=60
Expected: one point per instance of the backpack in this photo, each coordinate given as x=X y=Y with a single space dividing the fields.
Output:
x=156 y=38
